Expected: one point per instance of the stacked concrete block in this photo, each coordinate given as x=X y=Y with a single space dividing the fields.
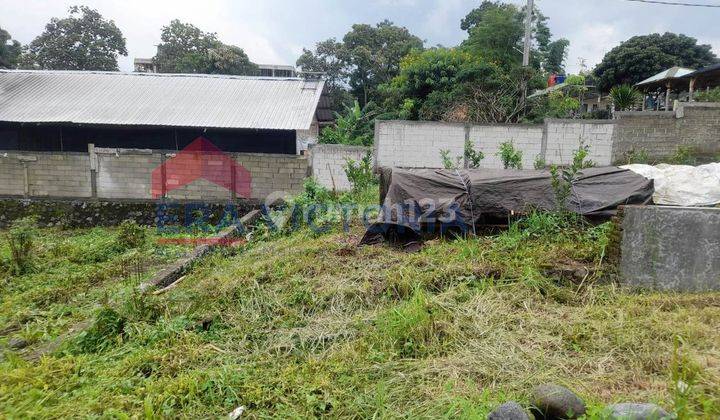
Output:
x=564 y=138
x=489 y=138
x=328 y=162
x=274 y=175
x=126 y=175
x=12 y=174
x=417 y=144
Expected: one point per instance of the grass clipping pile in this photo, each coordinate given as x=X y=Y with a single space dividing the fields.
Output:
x=302 y=324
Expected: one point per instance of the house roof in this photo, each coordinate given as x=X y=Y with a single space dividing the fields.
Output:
x=151 y=99
x=715 y=68
x=669 y=74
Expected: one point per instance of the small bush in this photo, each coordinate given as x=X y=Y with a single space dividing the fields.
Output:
x=105 y=332
x=540 y=162
x=511 y=157
x=21 y=238
x=637 y=156
x=131 y=235
x=684 y=155
x=448 y=162
x=472 y=157
x=713 y=95
x=360 y=174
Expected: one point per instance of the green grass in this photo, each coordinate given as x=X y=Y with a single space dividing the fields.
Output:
x=306 y=325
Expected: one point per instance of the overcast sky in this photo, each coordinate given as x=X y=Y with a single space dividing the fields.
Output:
x=275 y=31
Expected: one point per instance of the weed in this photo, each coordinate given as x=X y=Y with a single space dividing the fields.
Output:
x=360 y=174
x=21 y=239
x=540 y=162
x=104 y=333
x=472 y=157
x=639 y=155
x=448 y=162
x=684 y=155
x=511 y=157
x=130 y=235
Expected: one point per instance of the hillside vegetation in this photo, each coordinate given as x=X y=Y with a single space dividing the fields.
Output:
x=308 y=325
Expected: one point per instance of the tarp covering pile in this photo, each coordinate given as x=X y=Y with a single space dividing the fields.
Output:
x=471 y=196
x=679 y=185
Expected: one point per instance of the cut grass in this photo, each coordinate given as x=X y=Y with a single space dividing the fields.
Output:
x=308 y=325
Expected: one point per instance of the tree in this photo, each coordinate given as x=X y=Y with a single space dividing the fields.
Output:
x=184 y=48
x=353 y=127
x=9 y=50
x=328 y=58
x=454 y=85
x=497 y=30
x=374 y=54
x=82 y=41
x=641 y=57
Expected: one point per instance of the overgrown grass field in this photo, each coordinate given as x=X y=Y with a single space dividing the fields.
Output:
x=307 y=325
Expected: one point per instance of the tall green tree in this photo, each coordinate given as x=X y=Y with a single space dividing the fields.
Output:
x=643 y=56
x=496 y=30
x=82 y=41
x=454 y=85
x=9 y=50
x=184 y=48
x=328 y=58
x=367 y=57
x=373 y=54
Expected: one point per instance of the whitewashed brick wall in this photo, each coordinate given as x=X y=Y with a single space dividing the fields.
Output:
x=564 y=137
x=328 y=163
x=416 y=144
x=488 y=138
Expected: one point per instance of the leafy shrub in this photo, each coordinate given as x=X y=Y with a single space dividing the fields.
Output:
x=353 y=127
x=511 y=157
x=540 y=162
x=448 y=162
x=637 y=156
x=131 y=235
x=360 y=174
x=625 y=97
x=562 y=179
x=21 y=238
x=713 y=95
x=103 y=334
x=473 y=157
x=684 y=155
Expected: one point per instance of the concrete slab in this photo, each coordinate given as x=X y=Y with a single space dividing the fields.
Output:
x=671 y=248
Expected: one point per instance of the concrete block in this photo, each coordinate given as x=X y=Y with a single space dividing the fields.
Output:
x=671 y=248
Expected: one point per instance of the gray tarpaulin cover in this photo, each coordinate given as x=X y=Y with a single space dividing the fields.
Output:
x=473 y=195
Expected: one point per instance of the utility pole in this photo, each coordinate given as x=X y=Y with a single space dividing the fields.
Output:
x=528 y=32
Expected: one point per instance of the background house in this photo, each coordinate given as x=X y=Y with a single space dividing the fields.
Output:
x=66 y=111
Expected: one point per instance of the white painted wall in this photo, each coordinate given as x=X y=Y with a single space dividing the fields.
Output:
x=328 y=163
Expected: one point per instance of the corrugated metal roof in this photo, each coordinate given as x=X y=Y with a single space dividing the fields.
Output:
x=181 y=100
x=671 y=73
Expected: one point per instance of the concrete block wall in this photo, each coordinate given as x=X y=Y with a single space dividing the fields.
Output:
x=564 y=137
x=12 y=174
x=126 y=174
x=328 y=162
x=417 y=144
x=47 y=174
x=488 y=138
x=654 y=132
x=274 y=174
x=699 y=126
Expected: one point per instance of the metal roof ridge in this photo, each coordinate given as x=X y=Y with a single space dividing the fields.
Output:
x=144 y=74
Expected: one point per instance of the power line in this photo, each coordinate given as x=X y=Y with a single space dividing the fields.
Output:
x=672 y=3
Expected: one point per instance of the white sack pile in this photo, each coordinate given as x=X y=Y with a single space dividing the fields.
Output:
x=678 y=185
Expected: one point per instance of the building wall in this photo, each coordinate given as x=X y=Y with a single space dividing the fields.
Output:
x=659 y=134
x=127 y=174
x=488 y=138
x=328 y=162
x=564 y=137
x=417 y=144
